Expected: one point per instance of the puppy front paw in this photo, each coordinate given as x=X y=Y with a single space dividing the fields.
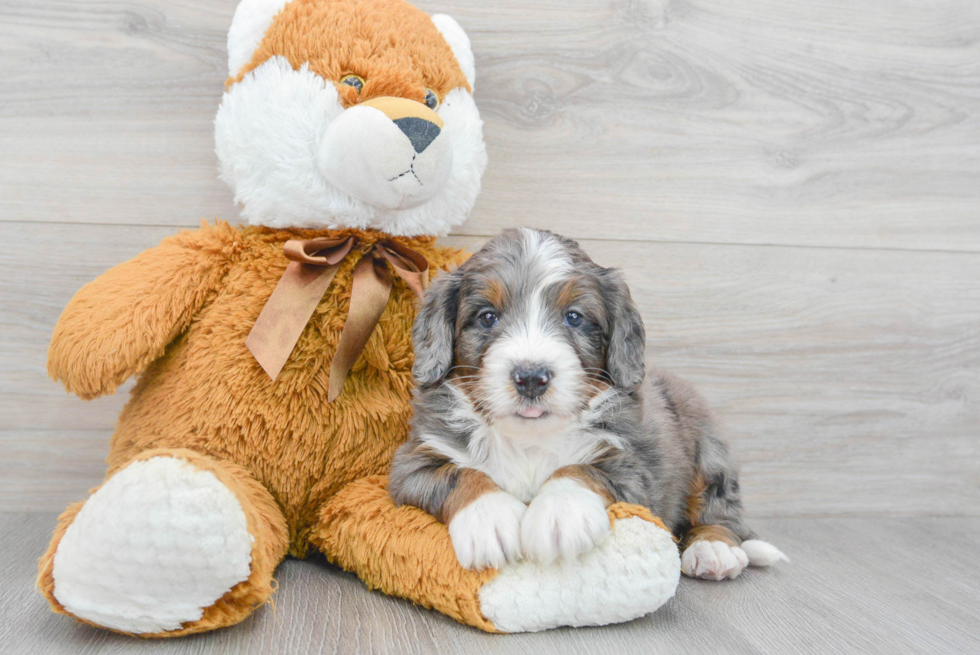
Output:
x=487 y=532
x=564 y=520
x=713 y=560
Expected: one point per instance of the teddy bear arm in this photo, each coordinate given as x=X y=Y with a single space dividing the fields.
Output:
x=403 y=551
x=118 y=324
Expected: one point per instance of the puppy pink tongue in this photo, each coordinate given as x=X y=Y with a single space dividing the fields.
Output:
x=531 y=412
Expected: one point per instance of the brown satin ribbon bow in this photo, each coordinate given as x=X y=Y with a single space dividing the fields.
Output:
x=312 y=267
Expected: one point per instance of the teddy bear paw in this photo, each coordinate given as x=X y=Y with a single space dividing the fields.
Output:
x=631 y=572
x=155 y=546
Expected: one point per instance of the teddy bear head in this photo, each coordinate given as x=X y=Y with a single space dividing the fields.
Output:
x=350 y=113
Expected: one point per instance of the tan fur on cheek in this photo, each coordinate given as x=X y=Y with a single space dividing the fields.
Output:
x=588 y=478
x=470 y=485
x=596 y=387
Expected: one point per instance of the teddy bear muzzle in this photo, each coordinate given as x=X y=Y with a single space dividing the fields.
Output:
x=391 y=153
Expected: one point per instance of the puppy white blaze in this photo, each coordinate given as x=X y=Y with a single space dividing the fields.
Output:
x=546 y=254
x=564 y=520
x=537 y=340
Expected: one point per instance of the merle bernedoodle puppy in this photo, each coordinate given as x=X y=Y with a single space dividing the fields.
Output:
x=535 y=411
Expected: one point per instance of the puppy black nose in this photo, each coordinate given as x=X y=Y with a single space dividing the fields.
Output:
x=531 y=382
x=419 y=131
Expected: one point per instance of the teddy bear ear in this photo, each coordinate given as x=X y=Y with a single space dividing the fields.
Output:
x=252 y=19
x=459 y=42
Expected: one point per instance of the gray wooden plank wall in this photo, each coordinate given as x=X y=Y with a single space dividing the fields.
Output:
x=792 y=188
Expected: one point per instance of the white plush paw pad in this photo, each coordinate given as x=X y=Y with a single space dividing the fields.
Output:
x=762 y=553
x=565 y=519
x=713 y=560
x=158 y=543
x=487 y=532
x=631 y=573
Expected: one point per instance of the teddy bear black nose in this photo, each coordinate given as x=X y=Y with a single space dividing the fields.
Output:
x=419 y=131
x=531 y=382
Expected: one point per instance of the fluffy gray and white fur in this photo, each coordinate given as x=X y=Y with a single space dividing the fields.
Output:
x=534 y=412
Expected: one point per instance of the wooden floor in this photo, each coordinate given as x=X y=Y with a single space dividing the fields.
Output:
x=854 y=586
x=793 y=190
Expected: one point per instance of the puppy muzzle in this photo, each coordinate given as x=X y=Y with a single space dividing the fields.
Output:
x=391 y=153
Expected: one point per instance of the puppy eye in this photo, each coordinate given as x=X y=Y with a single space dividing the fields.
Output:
x=573 y=319
x=431 y=99
x=354 y=81
x=488 y=319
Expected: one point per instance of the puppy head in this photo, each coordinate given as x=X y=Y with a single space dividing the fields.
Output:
x=350 y=113
x=530 y=328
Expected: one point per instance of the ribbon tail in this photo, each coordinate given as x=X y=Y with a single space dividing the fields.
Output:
x=408 y=264
x=286 y=314
x=369 y=297
x=416 y=281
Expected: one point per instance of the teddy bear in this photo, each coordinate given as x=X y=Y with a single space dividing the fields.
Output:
x=273 y=357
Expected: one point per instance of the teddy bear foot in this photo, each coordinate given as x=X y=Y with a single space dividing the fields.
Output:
x=631 y=573
x=158 y=545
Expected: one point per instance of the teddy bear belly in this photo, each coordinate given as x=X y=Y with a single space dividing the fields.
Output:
x=299 y=446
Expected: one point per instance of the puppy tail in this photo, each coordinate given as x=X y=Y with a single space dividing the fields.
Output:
x=762 y=553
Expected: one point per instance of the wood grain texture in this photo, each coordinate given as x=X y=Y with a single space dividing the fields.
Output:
x=829 y=123
x=854 y=586
x=848 y=380
x=791 y=189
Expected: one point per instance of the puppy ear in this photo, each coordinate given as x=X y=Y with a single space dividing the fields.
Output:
x=627 y=336
x=434 y=329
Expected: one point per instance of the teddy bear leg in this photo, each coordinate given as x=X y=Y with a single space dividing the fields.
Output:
x=405 y=552
x=172 y=543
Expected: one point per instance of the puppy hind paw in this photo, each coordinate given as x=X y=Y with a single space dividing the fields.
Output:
x=487 y=532
x=762 y=553
x=713 y=560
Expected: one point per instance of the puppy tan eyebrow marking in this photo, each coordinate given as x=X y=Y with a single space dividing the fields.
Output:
x=495 y=293
x=570 y=292
x=589 y=477
x=470 y=485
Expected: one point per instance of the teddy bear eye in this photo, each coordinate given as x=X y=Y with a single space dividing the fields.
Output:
x=431 y=99
x=354 y=81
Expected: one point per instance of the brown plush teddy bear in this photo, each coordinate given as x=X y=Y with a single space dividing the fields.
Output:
x=274 y=359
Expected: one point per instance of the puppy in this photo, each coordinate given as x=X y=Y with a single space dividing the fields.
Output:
x=534 y=413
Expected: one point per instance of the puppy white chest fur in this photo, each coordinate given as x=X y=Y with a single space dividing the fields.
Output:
x=519 y=454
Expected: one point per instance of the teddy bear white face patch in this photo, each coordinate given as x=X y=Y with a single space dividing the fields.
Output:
x=388 y=152
x=295 y=157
